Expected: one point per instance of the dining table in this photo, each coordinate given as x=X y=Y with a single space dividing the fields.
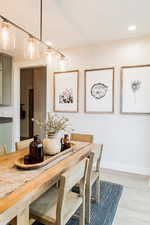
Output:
x=19 y=187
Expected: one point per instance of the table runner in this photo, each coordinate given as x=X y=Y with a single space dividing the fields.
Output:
x=12 y=178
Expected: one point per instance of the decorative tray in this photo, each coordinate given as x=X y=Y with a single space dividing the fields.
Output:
x=19 y=163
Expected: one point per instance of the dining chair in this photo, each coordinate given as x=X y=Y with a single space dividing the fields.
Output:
x=93 y=177
x=82 y=137
x=3 y=149
x=23 y=144
x=58 y=205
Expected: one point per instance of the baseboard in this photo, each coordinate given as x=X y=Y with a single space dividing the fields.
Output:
x=126 y=168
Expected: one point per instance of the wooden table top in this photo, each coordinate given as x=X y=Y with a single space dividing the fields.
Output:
x=29 y=191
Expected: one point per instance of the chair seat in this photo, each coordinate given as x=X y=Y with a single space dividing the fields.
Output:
x=45 y=206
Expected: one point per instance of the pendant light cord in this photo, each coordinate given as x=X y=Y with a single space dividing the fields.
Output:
x=41 y=20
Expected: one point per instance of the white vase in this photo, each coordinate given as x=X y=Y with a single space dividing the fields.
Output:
x=52 y=144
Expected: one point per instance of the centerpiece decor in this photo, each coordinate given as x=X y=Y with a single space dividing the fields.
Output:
x=53 y=126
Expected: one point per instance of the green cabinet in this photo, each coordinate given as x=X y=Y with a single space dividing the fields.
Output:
x=5 y=79
x=6 y=135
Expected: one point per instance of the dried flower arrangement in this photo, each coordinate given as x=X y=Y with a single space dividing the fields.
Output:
x=54 y=124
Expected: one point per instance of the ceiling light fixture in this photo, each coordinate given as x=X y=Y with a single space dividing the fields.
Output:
x=7 y=39
x=132 y=28
x=28 y=33
x=62 y=63
x=49 y=53
x=31 y=48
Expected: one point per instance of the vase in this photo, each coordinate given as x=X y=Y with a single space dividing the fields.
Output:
x=52 y=144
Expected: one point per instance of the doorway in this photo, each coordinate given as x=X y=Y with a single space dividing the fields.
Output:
x=32 y=100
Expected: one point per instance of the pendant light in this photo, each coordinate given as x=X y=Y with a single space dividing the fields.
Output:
x=7 y=38
x=62 y=62
x=31 y=50
x=49 y=52
x=32 y=44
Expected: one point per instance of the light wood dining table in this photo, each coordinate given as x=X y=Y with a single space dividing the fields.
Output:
x=14 y=205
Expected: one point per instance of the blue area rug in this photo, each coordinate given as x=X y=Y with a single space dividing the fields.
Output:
x=103 y=213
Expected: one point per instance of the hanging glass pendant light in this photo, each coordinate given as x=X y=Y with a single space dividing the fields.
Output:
x=33 y=44
x=31 y=50
x=49 y=52
x=62 y=63
x=7 y=37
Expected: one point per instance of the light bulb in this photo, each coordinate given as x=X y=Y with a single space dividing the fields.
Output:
x=5 y=35
x=31 y=49
x=132 y=28
x=62 y=62
x=49 y=57
x=49 y=53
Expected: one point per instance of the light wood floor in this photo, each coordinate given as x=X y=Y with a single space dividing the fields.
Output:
x=134 y=205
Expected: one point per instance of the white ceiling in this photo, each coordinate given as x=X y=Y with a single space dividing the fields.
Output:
x=23 y=12
x=80 y=22
x=72 y=23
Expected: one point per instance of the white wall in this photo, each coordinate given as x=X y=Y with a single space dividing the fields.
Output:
x=126 y=138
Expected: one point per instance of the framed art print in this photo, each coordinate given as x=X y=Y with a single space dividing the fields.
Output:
x=99 y=90
x=66 y=91
x=135 y=89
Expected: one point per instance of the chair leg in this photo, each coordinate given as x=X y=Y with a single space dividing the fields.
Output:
x=88 y=205
x=82 y=213
x=98 y=190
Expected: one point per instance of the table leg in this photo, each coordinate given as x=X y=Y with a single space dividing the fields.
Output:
x=22 y=218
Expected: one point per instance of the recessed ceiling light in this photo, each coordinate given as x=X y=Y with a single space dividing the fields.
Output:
x=132 y=28
x=49 y=43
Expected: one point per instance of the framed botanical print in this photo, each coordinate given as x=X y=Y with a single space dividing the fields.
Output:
x=66 y=91
x=135 y=89
x=99 y=90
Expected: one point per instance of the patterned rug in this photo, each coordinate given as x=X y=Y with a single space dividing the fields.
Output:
x=103 y=213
